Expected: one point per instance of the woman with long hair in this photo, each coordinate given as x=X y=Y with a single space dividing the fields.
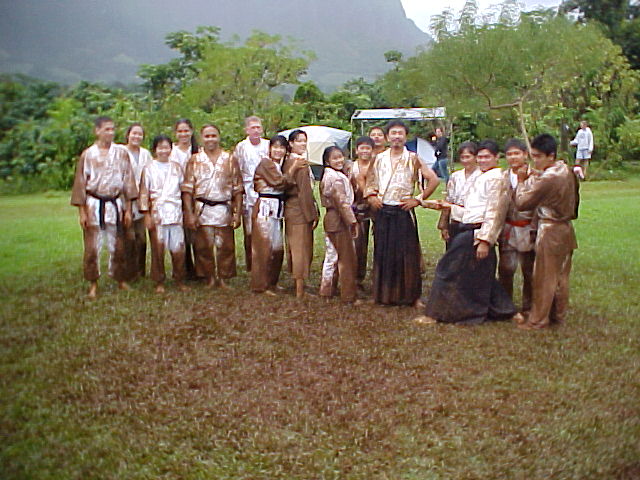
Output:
x=183 y=149
x=136 y=236
x=300 y=212
x=340 y=226
x=267 y=246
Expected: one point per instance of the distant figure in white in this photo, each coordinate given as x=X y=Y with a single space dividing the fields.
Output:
x=584 y=149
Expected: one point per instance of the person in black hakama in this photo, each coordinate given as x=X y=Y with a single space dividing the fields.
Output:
x=389 y=190
x=465 y=289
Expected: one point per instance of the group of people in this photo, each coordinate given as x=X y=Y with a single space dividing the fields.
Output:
x=190 y=198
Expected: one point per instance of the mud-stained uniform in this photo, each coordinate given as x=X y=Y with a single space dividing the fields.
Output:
x=160 y=196
x=336 y=195
x=554 y=196
x=103 y=184
x=213 y=186
x=248 y=157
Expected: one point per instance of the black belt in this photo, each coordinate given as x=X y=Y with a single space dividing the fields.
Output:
x=101 y=210
x=469 y=226
x=281 y=197
x=210 y=203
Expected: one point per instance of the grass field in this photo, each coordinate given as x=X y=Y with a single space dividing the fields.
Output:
x=209 y=384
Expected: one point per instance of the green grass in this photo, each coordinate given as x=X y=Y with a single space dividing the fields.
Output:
x=211 y=384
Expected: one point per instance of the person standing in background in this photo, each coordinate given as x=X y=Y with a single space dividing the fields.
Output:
x=185 y=147
x=583 y=142
x=136 y=236
x=248 y=154
x=441 y=146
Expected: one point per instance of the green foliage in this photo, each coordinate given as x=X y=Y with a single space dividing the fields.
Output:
x=539 y=70
x=170 y=78
x=393 y=56
x=52 y=125
x=23 y=98
x=619 y=18
x=629 y=135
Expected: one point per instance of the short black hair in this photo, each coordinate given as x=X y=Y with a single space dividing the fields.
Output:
x=515 y=143
x=468 y=145
x=490 y=145
x=157 y=140
x=364 y=140
x=294 y=134
x=395 y=123
x=101 y=120
x=546 y=144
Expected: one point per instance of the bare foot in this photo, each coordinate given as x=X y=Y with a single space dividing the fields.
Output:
x=182 y=287
x=299 y=288
x=419 y=304
x=210 y=283
x=93 y=290
x=270 y=293
x=424 y=320
x=518 y=319
x=124 y=286
x=223 y=285
x=160 y=289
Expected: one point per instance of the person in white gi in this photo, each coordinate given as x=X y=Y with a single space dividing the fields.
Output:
x=161 y=201
x=248 y=154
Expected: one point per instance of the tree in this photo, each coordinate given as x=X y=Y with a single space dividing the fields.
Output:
x=393 y=56
x=170 y=78
x=498 y=67
x=620 y=19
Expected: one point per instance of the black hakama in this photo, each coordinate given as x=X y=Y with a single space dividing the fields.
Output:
x=465 y=289
x=396 y=257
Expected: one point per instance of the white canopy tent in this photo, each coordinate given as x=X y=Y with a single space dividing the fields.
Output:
x=414 y=114
x=320 y=137
x=422 y=114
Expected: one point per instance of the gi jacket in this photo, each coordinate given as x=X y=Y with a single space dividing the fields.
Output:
x=217 y=182
x=554 y=196
x=109 y=176
x=336 y=195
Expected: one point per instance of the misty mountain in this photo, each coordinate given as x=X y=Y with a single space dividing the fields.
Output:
x=106 y=40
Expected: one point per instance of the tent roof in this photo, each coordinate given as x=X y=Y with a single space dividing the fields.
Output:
x=320 y=137
x=419 y=114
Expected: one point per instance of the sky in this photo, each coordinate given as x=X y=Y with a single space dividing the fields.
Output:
x=420 y=11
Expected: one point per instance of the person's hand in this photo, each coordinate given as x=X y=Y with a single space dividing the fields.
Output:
x=375 y=202
x=482 y=250
x=190 y=221
x=444 y=233
x=409 y=204
x=353 y=228
x=127 y=219
x=300 y=162
x=148 y=222
x=432 y=204
x=82 y=218
x=237 y=221
x=315 y=223
x=523 y=173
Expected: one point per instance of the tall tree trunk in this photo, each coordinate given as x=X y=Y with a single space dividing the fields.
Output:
x=523 y=126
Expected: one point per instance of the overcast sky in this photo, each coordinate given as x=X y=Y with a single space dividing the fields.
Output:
x=420 y=11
